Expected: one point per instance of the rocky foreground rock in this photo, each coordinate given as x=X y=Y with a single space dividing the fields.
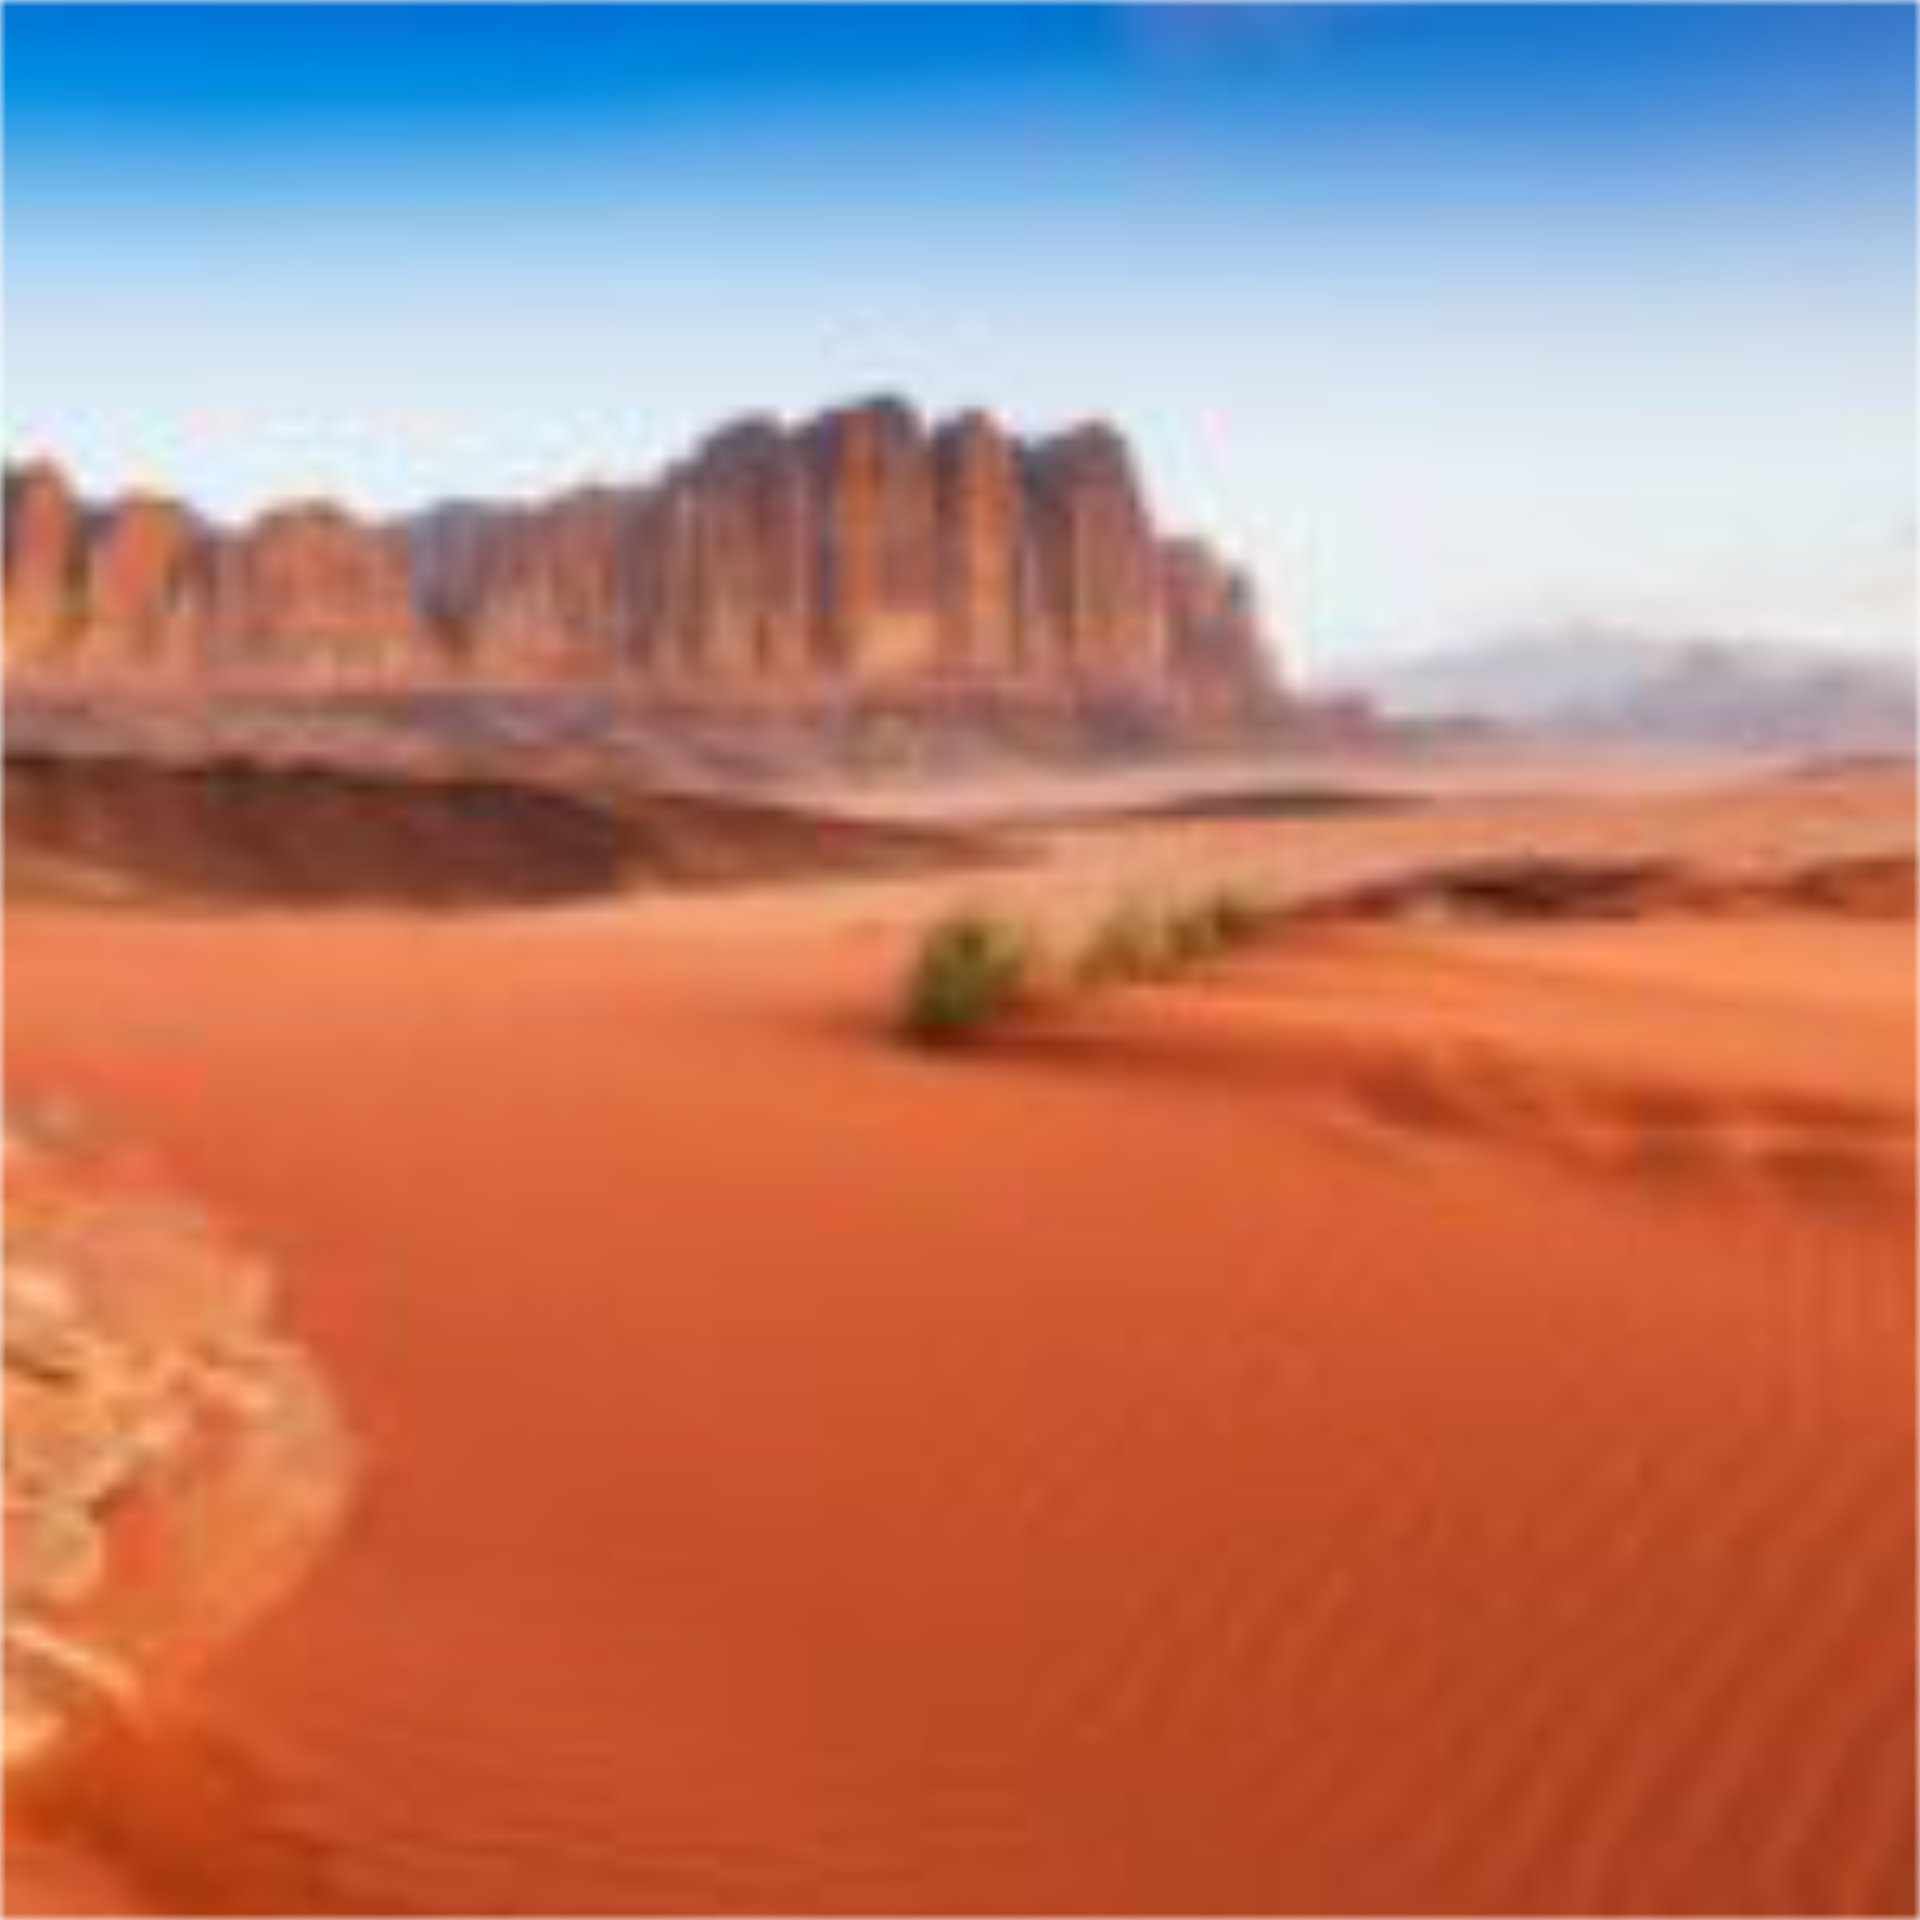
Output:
x=171 y=1463
x=863 y=553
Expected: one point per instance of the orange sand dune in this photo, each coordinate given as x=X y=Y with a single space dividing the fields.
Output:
x=1406 y=1420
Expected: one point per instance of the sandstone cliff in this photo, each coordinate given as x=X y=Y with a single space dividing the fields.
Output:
x=861 y=553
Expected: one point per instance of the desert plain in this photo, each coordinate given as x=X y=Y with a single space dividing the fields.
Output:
x=1414 y=1414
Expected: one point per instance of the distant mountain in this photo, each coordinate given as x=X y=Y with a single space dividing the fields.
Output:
x=1613 y=687
x=867 y=554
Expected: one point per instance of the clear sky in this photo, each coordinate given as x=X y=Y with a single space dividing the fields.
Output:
x=1451 y=320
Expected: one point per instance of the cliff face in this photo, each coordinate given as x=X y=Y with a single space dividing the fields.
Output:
x=861 y=552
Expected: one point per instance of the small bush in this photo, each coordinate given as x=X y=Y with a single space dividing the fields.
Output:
x=1135 y=943
x=1232 y=920
x=972 y=971
x=1131 y=943
x=1193 y=935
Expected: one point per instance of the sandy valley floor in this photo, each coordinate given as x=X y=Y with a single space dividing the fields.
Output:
x=1410 y=1418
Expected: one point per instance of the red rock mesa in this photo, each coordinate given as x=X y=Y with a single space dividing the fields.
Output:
x=864 y=553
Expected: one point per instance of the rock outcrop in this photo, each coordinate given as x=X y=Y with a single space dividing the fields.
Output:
x=43 y=543
x=172 y=1464
x=863 y=553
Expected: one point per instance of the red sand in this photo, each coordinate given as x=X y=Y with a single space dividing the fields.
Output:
x=1404 y=1422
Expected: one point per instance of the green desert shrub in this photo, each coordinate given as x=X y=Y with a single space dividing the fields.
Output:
x=1136 y=942
x=972 y=971
x=1131 y=943
x=1229 y=919
x=1187 y=934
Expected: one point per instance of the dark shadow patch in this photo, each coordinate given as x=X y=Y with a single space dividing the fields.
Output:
x=122 y=830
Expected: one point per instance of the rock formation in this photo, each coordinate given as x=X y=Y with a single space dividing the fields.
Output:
x=43 y=540
x=171 y=1463
x=860 y=554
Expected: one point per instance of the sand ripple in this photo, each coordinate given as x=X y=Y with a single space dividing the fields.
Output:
x=1401 y=1428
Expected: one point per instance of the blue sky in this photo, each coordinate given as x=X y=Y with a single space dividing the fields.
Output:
x=1452 y=320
